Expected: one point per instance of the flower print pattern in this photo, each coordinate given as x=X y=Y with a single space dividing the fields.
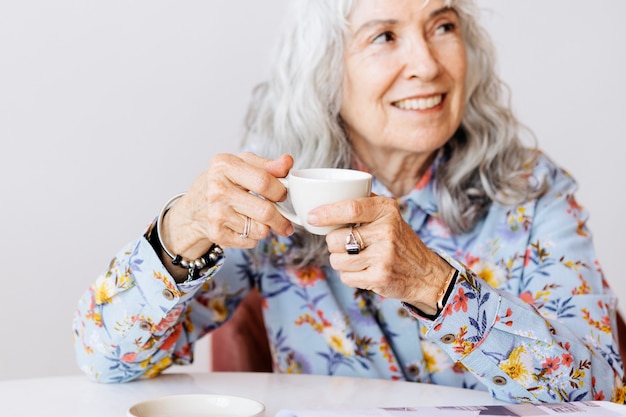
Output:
x=530 y=306
x=519 y=365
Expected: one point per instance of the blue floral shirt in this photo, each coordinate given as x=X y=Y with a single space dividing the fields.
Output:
x=529 y=318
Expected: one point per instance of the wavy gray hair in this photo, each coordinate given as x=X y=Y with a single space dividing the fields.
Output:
x=297 y=112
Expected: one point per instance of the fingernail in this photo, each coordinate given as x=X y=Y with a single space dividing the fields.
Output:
x=311 y=219
x=290 y=230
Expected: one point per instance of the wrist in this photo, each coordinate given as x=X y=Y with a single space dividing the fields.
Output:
x=181 y=267
x=176 y=233
x=433 y=309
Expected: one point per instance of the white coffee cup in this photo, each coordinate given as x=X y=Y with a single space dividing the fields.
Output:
x=313 y=187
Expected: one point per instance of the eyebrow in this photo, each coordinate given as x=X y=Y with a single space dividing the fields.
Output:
x=391 y=22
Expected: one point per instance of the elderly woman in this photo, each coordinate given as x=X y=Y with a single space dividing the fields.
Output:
x=475 y=268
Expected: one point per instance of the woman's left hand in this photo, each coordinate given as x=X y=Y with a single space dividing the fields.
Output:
x=393 y=262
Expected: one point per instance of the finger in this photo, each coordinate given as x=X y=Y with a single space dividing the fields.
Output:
x=278 y=167
x=239 y=232
x=361 y=210
x=264 y=215
x=336 y=239
x=344 y=262
x=254 y=173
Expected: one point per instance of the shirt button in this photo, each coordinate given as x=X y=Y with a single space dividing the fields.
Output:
x=447 y=339
x=168 y=295
x=499 y=380
x=413 y=370
x=145 y=326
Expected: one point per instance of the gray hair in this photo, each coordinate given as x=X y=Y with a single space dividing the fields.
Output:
x=297 y=112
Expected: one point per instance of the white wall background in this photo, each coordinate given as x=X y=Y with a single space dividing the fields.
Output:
x=109 y=108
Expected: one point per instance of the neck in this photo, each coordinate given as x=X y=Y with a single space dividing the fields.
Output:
x=398 y=172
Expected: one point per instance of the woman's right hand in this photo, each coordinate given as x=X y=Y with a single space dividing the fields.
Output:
x=215 y=208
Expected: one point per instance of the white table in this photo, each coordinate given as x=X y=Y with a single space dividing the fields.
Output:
x=77 y=396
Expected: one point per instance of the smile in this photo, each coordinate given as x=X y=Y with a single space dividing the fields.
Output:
x=419 y=103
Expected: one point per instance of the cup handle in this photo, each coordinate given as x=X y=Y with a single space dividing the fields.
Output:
x=289 y=215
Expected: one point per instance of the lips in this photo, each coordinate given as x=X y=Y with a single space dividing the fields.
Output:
x=422 y=103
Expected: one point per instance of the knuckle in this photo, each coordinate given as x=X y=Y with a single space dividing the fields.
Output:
x=266 y=212
x=220 y=160
x=354 y=209
x=264 y=231
x=262 y=182
x=389 y=204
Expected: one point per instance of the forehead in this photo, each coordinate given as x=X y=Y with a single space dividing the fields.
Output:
x=383 y=9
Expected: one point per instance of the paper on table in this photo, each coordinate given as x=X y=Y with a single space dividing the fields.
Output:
x=573 y=409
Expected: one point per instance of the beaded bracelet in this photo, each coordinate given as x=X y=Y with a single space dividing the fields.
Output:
x=193 y=267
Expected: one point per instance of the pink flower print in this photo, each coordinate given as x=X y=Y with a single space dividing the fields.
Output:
x=551 y=364
x=567 y=360
x=129 y=357
x=460 y=301
x=527 y=297
x=506 y=319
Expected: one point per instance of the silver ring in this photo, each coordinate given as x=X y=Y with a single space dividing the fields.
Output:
x=353 y=245
x=356 y=233
x=247 y=225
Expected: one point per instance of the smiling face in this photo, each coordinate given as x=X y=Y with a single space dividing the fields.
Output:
x=403 y=87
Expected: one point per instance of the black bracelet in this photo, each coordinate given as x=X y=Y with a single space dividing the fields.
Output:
x=442 y=297
x=193 y=267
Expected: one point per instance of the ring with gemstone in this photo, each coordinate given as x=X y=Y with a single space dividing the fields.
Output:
x=353 y=244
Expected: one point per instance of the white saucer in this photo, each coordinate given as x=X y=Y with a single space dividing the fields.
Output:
x=197 y=405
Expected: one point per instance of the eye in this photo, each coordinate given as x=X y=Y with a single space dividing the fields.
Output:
x=386 y=36
x=446 y=28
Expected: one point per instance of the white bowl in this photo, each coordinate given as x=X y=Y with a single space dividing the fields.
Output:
x=197 y=405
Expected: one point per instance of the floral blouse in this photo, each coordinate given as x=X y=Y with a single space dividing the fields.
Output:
x=529 y=319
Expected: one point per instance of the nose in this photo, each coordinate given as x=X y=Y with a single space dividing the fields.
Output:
x=421 y=60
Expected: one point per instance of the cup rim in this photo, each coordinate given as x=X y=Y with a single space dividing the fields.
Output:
x=246 y=406
x=319 y=174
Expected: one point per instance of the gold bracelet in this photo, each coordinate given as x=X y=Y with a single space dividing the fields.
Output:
x=444 y=292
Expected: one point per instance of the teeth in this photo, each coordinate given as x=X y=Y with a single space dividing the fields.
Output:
x=419 y=103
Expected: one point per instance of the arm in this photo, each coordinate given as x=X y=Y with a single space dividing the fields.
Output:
x=139 y=316
x=546 y=334
x=135 y=320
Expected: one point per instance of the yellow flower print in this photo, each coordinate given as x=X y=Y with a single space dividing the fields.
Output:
x=308 y=276
x=277 y=247
x=604 y=325
x=518 y=219
x=94 y=316
x=619 y=393
x=434 y=357
x=103 y=290
x=218 y=308
x=158 y=367
x=168 y=283
x=491 y=273
x=338 y=341
x=519 y=365
x=310 y=320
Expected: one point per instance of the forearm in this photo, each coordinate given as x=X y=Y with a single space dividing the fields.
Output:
x=130 y=321
x=519 y=354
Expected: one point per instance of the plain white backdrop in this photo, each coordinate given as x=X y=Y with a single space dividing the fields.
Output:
x=109 y=108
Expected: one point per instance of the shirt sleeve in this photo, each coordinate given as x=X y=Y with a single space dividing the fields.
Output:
x=548 y=334
x=134 y=320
